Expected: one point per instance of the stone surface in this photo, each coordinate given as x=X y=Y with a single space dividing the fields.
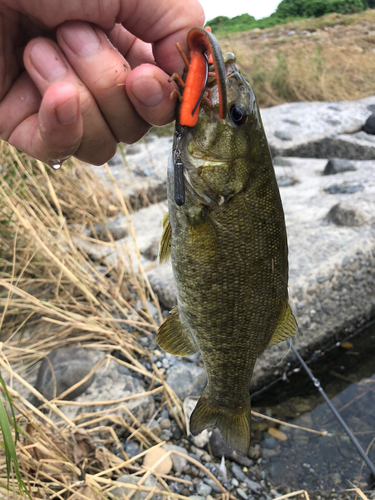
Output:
x=178 y=462
x=62 y=369
x=337 y=166
x=186 y=379
x=242 y=477
x=111 y=385
x=346 y=214
x=117 y=228
x=153 y=456
x=369 y=126
x=138 y=495
x=320 y=129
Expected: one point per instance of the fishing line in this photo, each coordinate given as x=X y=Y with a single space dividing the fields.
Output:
x=316 y=382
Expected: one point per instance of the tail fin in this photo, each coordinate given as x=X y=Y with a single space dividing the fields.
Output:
x=234 y=425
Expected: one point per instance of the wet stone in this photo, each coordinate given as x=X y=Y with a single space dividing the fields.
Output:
x=213 y=485
x=241 y=493
x=338 y=166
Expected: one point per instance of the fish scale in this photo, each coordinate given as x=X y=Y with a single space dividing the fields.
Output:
x=229 y=255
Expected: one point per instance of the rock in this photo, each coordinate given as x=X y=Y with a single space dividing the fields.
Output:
x=138 y=495
x=283 y=135
x=241 y=493
x=117 y=228
x=162 y=282
x=186 y=379
x=70 y=365
x=203 y=489
x=132 y=448
x=153 y=456
x=178 y=462
x=219 y=449
x=110 y=385
x=165 y=423
x=197 y=497
x=212 y=484
x=327 y=129
x=337 y=166
x=242 y=477
x=344 y=188
x=345 y=214
x=369 y=126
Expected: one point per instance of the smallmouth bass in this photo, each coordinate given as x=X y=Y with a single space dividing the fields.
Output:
x=228 y=245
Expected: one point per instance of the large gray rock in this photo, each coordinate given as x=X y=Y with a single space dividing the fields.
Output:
x=62 y=369
x=320 y=129
x=186 y=379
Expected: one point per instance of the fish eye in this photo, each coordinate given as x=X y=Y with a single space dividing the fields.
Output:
x=237 y=114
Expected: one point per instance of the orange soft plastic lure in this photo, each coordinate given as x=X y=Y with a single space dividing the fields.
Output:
x=204 y=50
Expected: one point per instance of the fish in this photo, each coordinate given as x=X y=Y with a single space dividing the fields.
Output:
x=227 y=242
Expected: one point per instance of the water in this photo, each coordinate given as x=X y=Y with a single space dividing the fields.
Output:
x=313 y=462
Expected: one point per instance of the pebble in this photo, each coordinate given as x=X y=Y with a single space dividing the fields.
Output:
x=138 y=495
x=337 y=166
x=179 y=463
x=241 y=493
x=165 y=423
x=203 y=489
x=241 y=476
x=213 y=485
x=132 y=448
x=235 y=482
x=197 y=497
x=283 y=135
x=153 y=456
x=186 y=379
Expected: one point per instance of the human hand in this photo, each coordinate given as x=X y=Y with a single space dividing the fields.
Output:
x=64 y=88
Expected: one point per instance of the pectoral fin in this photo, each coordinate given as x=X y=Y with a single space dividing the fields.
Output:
x=286 y=327
x=165 y=242
x=173 y=337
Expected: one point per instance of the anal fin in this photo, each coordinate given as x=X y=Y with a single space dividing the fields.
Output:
x=165 y=242
x=173 y=337
x=286 y=327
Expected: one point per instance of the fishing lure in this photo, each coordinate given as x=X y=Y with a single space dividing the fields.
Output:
x=204 y=51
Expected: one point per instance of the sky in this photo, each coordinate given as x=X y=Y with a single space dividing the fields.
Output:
x=231 y=8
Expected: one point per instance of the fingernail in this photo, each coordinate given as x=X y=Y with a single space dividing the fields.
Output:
x=81 y=38
x=148 y=90
x=47 y=61
x=67 y=113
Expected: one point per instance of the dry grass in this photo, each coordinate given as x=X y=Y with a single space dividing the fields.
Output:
x=327 y=59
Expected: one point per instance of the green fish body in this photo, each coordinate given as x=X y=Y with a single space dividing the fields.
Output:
x=229 y=254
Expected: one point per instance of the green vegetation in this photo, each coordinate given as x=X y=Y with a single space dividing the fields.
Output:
x=289 y=10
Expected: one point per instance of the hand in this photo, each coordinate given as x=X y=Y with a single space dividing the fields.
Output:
x=64 y=88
